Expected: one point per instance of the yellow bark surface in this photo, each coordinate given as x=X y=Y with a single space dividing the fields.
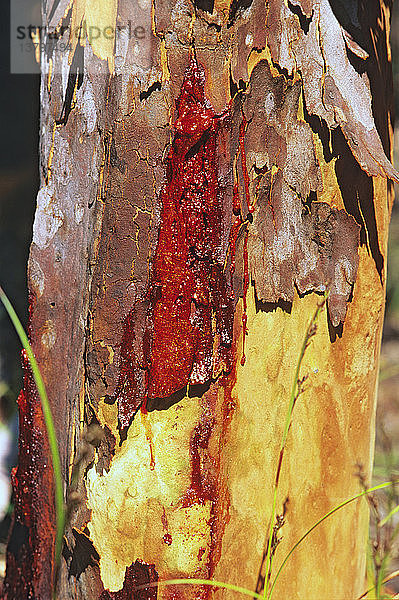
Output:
x=332 y=432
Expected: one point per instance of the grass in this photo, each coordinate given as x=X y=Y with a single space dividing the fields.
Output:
x=269 y=586
x=296 y=390
x=50 y=429
x=247 y=592
x=384 y=530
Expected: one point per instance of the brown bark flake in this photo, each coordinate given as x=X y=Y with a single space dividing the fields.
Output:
x=293 y=241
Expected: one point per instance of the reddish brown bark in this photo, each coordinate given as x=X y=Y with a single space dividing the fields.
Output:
x=30 y=564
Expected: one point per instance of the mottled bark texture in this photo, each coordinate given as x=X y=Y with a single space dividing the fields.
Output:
x=204 y=181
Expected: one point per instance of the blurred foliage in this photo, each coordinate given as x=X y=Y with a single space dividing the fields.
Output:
x=384 y=548
x=392 y=313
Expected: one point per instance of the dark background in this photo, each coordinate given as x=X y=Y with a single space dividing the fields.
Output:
x=19 y=181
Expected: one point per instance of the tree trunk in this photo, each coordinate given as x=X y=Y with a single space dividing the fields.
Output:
x=208 y=173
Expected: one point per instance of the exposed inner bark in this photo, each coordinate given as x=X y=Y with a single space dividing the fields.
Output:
x=192 y=296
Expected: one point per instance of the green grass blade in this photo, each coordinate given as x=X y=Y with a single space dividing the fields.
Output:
x=218 y=584
x=48 y=419
x=389 y=515
x=385 y=580
x=330 y=512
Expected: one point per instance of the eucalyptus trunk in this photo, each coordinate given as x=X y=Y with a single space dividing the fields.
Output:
x=210 y=171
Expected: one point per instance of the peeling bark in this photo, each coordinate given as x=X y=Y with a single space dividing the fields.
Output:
x=200 y=190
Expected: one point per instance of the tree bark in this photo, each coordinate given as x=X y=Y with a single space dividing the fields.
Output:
x=208 y=173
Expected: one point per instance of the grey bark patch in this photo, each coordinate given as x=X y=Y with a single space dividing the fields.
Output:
x=291 y=247
x=333 y=90
x=294 y=242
